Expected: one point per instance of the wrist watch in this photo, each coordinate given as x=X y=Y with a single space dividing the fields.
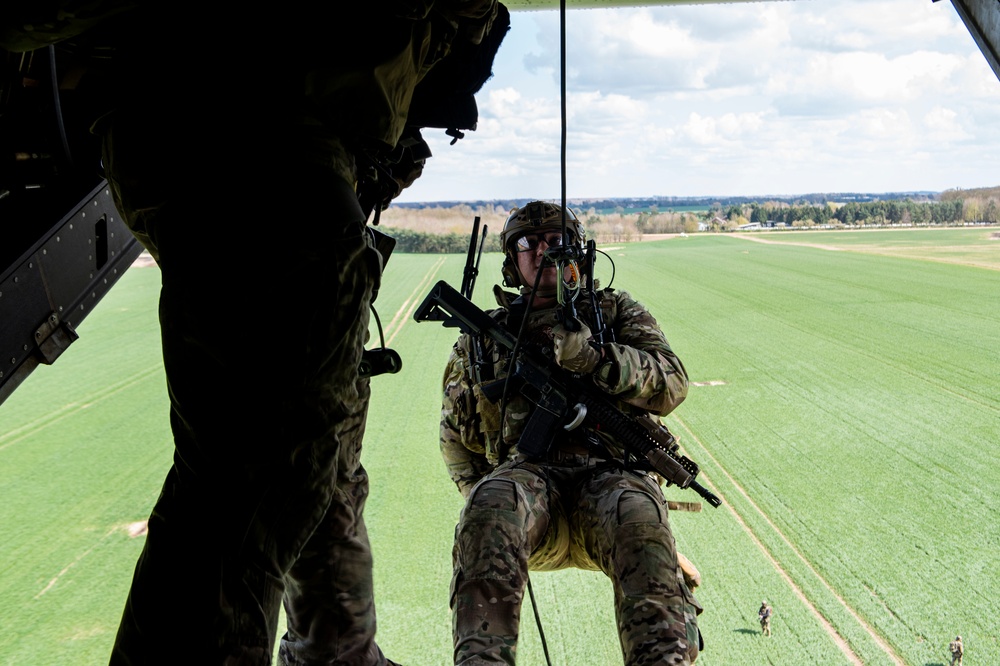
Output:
x=605 y=369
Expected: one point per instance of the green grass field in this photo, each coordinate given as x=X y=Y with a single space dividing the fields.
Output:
x=846 y=409
x=968 y=246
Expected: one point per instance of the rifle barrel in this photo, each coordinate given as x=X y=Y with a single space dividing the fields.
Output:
x=471 y=268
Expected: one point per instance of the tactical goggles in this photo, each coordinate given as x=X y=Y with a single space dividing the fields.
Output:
x=530 y=242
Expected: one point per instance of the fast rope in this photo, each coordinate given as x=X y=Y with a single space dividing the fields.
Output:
x=559 y=265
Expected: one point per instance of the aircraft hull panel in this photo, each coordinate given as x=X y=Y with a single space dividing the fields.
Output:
x=56 y=283
x=982 y=18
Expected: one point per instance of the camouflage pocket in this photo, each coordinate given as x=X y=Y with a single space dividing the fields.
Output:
x=696 y=643
x=488 y=417
x=692 y=609
x=465 y=417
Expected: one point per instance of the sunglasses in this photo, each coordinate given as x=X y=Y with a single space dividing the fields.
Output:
x=531 y=241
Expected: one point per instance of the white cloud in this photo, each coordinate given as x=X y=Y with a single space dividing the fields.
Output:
x=770 y=97
x=943 y=124
x=640 y=34
x=724 y=129
x=868 y=77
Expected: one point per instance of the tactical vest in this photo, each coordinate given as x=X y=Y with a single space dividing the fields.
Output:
x=481 y=404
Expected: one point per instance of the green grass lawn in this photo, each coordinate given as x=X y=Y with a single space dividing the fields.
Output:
x=847 y=412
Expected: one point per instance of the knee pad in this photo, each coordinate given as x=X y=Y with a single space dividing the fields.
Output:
x=494 y=494
x=635 y=507
x=490 y=537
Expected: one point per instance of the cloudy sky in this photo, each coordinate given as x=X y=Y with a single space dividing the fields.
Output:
x=746 y=99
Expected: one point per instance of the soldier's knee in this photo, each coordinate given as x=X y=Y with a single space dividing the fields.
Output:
x=494 y=494
x=491 y=527
x=635 y=507
x=490 y=540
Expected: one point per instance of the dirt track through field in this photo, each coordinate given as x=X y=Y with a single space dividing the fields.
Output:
x=405 y=311
x=55 y=416
x=769 y=241
x=52 y=583
x=830 y=629
x=981 y=256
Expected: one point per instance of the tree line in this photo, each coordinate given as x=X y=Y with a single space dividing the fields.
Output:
x=445 y=229
x=426 y=242
x=873 y=213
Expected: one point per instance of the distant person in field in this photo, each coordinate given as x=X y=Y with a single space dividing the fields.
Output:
x=582 y=506
x=957 y=651
x=764 y=616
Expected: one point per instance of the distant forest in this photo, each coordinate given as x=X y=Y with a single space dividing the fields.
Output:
x=664 y=203
x=978 y=206
x=633 y=204
x=443 y=227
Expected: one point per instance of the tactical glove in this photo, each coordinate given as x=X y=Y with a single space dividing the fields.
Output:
x=573 y=350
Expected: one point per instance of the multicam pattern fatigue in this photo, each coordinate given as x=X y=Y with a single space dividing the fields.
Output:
x=643 y=374
x=235 y=169
x=957 y=652
x=764 y=615
x=266 y=489
x=578 y=511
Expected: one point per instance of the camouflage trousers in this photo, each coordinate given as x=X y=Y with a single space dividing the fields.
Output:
x=267 y=278
x=548 y=517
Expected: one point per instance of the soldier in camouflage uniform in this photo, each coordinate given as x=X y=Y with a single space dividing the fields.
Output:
x=764 y=617
x=583 y=506
x=957 y=650
x=231 y=153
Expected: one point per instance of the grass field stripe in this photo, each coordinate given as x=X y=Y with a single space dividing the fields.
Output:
x=410 y=304
x=66 y=411
x=890 y=652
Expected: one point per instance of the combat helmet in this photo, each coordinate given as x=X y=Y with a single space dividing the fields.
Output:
x=531 y=218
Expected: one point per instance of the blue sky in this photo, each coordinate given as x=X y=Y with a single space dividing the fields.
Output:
x=745 y=99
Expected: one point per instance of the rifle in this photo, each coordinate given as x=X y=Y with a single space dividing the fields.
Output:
x=480 y=370
x=471 y=271
x=562 y=400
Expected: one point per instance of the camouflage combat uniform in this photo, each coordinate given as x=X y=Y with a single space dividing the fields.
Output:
x=764 y=616
x=231 y=155
x=579 y=508
x=957 y=650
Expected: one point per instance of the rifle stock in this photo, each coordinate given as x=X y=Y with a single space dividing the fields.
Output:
x=563 y=400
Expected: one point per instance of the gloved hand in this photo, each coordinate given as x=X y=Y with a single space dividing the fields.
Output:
x=573 y=350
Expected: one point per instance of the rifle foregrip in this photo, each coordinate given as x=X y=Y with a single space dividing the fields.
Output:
x=674 y=471
x=669 y=468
